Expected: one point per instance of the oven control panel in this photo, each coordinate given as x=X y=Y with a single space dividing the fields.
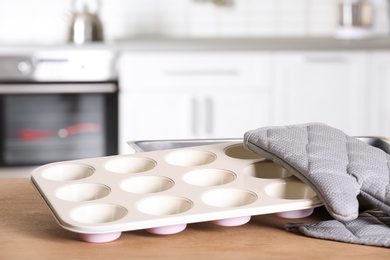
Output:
x=70 y=65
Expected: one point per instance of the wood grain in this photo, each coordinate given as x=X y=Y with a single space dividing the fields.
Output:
x=29 y=231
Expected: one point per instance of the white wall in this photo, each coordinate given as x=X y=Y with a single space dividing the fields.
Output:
x=46 y=21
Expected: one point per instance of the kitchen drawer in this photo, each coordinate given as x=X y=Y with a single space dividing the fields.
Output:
x=195 y=69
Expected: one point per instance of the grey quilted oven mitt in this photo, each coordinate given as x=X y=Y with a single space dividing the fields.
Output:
x=338 y=168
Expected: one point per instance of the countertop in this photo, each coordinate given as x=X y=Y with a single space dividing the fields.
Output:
x=260 y=44
x=29 y=231
x=215 y=44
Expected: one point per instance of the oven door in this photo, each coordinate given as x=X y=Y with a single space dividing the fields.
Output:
x=42 y=123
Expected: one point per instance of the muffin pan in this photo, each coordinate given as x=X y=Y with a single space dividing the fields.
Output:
x=163 y=191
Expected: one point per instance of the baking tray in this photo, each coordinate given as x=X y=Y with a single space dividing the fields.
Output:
x=168 y=184
x=163 y=191
x=382 y=143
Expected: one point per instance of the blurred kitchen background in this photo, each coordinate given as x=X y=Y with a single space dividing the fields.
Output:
x=82 y=78
x=46 y=21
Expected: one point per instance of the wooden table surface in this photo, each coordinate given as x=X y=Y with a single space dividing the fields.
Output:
x=29 y=231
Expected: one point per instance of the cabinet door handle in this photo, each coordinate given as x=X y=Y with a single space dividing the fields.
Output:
x=331 y=59
x=194 y=116
x=209 y=115
x=202 y=72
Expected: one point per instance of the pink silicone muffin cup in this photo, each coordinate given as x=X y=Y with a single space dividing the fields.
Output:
x=232 y=222
x=167 y=230
x=303 y=213
x=99 y=238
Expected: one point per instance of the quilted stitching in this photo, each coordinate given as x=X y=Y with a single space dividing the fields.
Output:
x=338 y=167
x=370 y=228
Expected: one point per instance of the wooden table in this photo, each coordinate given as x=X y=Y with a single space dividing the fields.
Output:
x=29 y=231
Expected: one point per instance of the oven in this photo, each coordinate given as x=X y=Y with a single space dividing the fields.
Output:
x=56 y=105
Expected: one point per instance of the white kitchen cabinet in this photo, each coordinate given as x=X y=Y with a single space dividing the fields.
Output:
x=325 y=86
x=185 y=95
x=378 y=91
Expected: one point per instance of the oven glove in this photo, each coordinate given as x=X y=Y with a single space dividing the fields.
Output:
x=336 y=166
x=372 y=227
